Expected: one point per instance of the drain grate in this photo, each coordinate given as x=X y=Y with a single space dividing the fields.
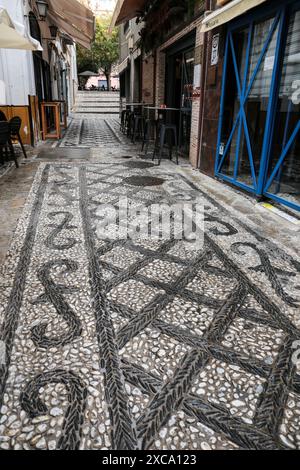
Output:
x=144 y=181
x=139 y=165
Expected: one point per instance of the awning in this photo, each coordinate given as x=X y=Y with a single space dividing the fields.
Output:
x=13 y=35
x=227 y=13
x=126 y=10
x=74 y=19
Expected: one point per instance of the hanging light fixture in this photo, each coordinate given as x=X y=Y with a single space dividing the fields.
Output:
x=53 y=31
x=42 y=9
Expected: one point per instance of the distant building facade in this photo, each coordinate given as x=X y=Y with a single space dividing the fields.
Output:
x=130 y=66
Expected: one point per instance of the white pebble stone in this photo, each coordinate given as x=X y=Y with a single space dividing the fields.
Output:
x=51 y=445
x=56 y=412
x=101 y=428
x=205 y=446
x=163 y=433
x=41 y=444
x=238 y=403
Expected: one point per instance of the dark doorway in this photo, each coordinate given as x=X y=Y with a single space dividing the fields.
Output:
x=179 y=85
x=137 y=80
x=41 y=68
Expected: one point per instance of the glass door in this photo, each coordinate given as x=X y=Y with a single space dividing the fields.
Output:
x=187 y=79
x=179 y=90
x=282 y=180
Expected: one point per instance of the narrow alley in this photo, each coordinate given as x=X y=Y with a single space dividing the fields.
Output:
x=142 y=344
x=149 y=231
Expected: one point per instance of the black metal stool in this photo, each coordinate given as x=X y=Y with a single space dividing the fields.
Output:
x=126 y=122
x=130 y=124
x=123 y=121
x=149 y=130
x=138 y=127
x=164 y=129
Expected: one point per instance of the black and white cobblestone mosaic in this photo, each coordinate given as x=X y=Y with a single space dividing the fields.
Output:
x=93 y=132
x=127 y=344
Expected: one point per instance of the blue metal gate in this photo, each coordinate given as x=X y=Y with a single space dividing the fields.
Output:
x=256 y=108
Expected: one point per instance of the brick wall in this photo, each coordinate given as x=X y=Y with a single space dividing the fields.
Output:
x=195 y=124
x=148 y=79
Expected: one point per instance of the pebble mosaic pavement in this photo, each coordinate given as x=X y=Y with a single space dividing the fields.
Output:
x=142 y=344
x=93 y=132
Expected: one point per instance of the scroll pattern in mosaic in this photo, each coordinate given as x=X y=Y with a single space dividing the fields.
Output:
x=144 y=345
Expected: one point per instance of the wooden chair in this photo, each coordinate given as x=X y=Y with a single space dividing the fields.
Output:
x=5 y=141
x=15 y=126
x=2 y=116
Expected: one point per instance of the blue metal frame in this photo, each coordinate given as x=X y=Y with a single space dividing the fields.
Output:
x=264 y=163
x=263 y=183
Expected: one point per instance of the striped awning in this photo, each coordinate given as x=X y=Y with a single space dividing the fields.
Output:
x=74 y=19
x=227 y=13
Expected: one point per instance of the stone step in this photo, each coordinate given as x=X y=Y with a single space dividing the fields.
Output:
x=97 y=101
x=95 y=111
x=99 y=95
x=97 y=107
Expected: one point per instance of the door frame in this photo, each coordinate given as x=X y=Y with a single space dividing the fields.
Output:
x=180 y=47
x=281 y=13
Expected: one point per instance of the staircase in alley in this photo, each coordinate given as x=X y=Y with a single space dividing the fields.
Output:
x=95 y=121
x=97 y=102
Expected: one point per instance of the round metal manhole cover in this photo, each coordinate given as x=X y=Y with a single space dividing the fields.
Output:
x=139 y=165
x=144 y=181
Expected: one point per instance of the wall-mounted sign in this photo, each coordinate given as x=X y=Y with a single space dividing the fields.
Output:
x=269 y=63
x=215 y=49
x=221 y=148
x=197 y=75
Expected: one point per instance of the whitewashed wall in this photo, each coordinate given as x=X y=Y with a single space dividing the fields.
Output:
x=73 y=77
x=16 y=67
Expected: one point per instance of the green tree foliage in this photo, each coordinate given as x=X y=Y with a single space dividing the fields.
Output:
x=104 y=52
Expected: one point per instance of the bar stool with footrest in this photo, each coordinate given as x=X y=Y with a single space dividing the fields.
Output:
x=160 y=143
x=138 y=127
x=130 y=124
x=123 y=121
x=150 y=127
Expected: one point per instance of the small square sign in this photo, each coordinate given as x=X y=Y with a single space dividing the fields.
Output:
x=215 y=49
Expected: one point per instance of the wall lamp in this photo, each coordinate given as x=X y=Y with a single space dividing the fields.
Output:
x=42 y=9
x=53 y=30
